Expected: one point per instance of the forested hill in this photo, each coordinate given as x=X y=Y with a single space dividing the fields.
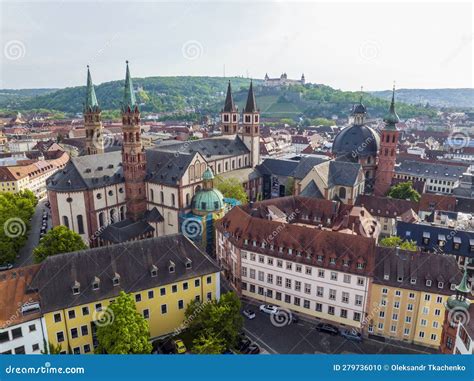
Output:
x=206 y=95
x=452 y=98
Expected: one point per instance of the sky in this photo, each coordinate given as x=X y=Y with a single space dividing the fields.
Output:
x=346 y=45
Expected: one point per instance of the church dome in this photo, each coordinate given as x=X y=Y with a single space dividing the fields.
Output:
x=357 y=140
x=207 y=201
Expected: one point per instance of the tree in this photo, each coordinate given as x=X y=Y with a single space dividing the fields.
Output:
x=218 y=320
x=206 y=344
x=16 y=210
x=123 y=330
x=51 y=349
x=58 y=240
x=404 y=191
x=232 y=188
x=398 y=242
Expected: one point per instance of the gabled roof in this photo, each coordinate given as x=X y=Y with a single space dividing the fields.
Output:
x=132 y=260
x=278 y=167
x=91 y=99
x=306 y=164
x=126 y=230
x=343 y=173
x=312 y=190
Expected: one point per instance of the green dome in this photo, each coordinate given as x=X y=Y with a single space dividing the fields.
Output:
x=453 y=303
x=208 y=175
x=207 y=201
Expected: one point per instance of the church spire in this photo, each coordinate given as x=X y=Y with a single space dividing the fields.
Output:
x=391 y=118
x=91 y=99
x=251 y=105
x=129 y=100
x=229 y=105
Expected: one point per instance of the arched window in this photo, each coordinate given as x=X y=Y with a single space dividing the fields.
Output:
x=187 y=199
x=191 y=173
x=233 y=164
x=342 y=192
x=369 y=159
x=197 y=189
x=162 y=197
x=226 y=166
x=367 y=174
x=203 y=168
x=66 y=221
x=80 y=224
x=197 y=171
x=173 y=199
x=218 y=168
x=152 y=195
x=246 y=160
x=240 y=162
x=122 y=213
x=112 y=216
x=101 y=219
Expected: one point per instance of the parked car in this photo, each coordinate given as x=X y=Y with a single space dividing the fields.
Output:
x=268 y=309
x=252 y=349
x=6 y=266
x=243 y=343
x=351 y=335
x=294 y=318
x=249 y=314
x=327 y=328
x=179 y=346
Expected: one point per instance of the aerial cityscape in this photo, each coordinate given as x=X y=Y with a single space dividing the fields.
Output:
x=232 y=213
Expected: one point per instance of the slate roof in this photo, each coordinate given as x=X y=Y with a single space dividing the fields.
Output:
x=343 y=173
x=166 y=167
x=126 y=230
x=358 y=139
x=418 y=231
x=385 y=206
x=306 y=164
x=133 y=261
x=229 y=105
x=210 y=149
x=431 y=170
x=86 y=172
x=277 y=167
x=421 y=266
x=312 y=190
x=251 y=105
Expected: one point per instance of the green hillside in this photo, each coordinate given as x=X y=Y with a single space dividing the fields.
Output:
x=204 y=95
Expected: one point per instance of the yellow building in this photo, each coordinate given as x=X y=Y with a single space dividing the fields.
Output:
x=164 y=274
x=408 y=295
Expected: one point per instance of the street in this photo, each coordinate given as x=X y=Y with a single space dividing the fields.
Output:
x=25 y=256
x=303 y=338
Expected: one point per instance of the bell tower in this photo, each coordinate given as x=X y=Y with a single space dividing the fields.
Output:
x=388 y=151
x=250 y=132
x=92 y=120
x=229 y=114
x=133 y=153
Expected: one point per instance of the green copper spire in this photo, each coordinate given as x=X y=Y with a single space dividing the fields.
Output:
x=391 y=118
x=129 y=100
x=91 y=99
x=463 y=287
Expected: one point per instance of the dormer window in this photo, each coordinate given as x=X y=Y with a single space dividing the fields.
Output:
x=280 y=249
x=426 y=238
x=188 y=263
x=116 y=279
x=290 y=251
x=360 y=266
x=440 y=284
x=453 y=286
x=154 y=271
x=246 y=241
x=95 y=283
x=271 y=247
x=441 y=240
x=413 y=280
x=171 y=267
x=428 y=283
x=332 y=261
x=320 y=258
x=254 y=243
x=345 y=263
x=400 y=279
x=76 y=288
x=386 y=277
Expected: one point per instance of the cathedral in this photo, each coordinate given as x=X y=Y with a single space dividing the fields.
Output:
x=113 y=197
x=374 y=151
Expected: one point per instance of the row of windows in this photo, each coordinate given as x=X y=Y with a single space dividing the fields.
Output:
x=297 y=301
x=290 y=251
x=16 y=333
x=411 y=295
x=333 y=275
x=408 y=318
x=406 y=331
x=138 y=298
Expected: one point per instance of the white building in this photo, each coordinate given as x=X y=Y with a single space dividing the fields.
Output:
x=22 y=327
